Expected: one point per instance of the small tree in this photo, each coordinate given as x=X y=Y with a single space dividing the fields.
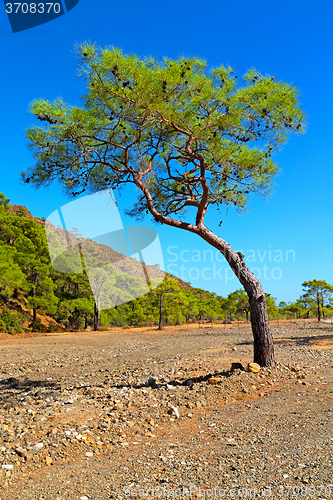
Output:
x=183 y=134
x=238 y=302
x=204 y=303
x=33 y=258
x=24 y=239
x=11 y=275
x=110 y=287
x=305 y=305
x=169 y=298
x=4 y=202
x=272 y=308
x=319 y=291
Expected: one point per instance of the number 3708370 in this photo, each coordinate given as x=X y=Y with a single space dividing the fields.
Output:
x=33 y=8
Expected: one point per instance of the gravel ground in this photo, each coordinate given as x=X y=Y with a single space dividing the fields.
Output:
x=141 y=413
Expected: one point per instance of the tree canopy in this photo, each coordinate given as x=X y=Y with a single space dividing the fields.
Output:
x=184 y=133
x=319 y=292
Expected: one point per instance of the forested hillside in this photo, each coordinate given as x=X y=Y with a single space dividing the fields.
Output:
x=35 y=296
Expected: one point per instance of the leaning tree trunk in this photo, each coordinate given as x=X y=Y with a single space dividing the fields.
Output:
x=263 y=341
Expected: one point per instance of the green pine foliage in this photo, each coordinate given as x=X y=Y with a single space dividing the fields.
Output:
x=316 y=301
x=169 y=114
x=10 y=322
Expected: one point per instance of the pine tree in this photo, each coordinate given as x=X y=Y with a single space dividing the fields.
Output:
x=185 y=135
x=318 y=291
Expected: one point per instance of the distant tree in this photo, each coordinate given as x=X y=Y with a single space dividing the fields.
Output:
x=11 y=275
x=271 y=306
x=238 y=303
x=169 y=298
x=289 y=309
x=206 y=304
x=81 y=310
x=229 y=307
x=10 y=322
x=191 y=310
x=4 y=202
x=25 y=238
x=109 y=286
x=182 y=133
x=319 y=291
x=33 y=258
x=295 y=308
x=305 y=306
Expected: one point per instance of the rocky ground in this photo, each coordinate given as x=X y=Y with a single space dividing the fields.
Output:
x=140 y=413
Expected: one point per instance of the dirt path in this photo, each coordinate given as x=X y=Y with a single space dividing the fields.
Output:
x=95 y=415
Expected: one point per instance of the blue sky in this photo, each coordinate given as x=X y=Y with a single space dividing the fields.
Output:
x=288 y=237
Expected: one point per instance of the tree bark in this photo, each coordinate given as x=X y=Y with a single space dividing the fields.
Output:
x=161 y=313
x=33 y=294
x=76 y=322
x=262 y=336
x=96 y=317
x=318 y=308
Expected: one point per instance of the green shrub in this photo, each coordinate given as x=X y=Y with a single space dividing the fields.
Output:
x=37 y=326
x=10 y=323
x=81 y=323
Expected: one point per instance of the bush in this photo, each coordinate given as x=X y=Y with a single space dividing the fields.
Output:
x=37 y=326
x=10 y=323
x=81 y=323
